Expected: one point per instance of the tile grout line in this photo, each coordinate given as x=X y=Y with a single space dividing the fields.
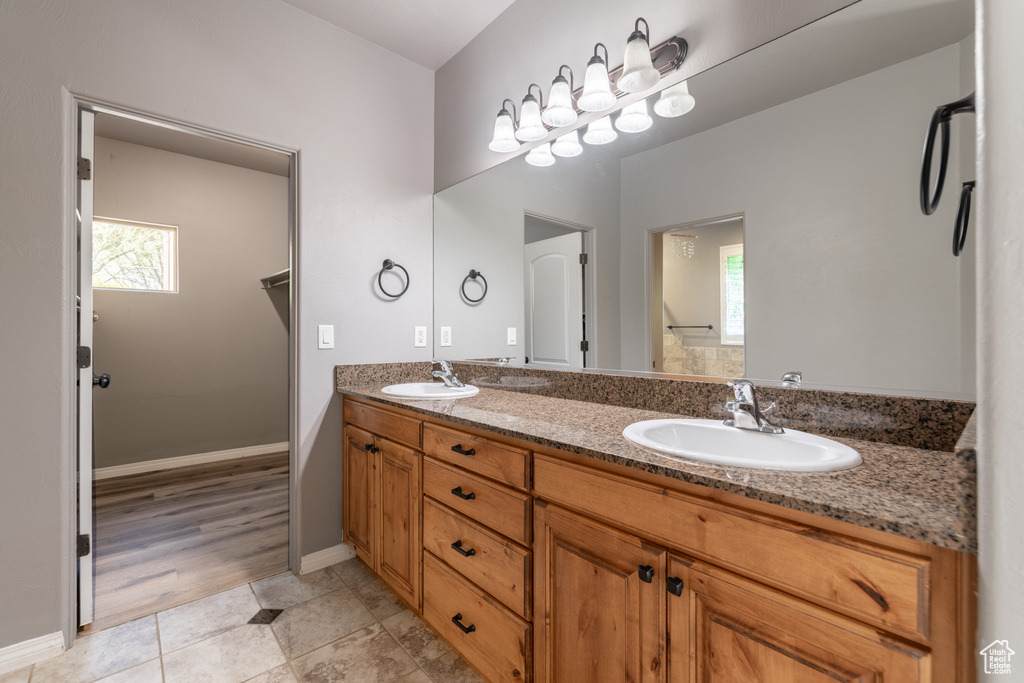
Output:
x=160 y=648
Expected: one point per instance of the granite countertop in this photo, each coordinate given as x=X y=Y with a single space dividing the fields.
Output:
x=918 y=493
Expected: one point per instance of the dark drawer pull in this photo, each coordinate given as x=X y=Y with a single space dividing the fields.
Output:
x=675 y=585
x=371 y=448
x=646 y=573
x=457 y=620
x=457 y=448
x=457 y=547
x=464 y=496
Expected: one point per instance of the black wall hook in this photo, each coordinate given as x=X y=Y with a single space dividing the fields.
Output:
x=473 y=275
x=940 y=119
x=963 y=217
x=388 y=265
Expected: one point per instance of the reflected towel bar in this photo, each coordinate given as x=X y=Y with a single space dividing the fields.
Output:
x=691 y=327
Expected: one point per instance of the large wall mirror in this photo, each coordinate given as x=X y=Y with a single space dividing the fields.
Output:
x=773 y=228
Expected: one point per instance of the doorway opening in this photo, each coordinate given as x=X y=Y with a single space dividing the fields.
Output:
x=186 y=306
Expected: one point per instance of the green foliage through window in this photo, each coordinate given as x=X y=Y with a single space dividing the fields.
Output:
x=133 y=256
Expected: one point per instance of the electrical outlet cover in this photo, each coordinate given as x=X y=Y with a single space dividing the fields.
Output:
x=420 y=338
x=446 y=336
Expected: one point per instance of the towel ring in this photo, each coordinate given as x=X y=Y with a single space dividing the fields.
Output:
x=941 y=117
x=388 y=265
x=473 y=274
x=963 y=217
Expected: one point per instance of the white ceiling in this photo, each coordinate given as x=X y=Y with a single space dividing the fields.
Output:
x=428 y=32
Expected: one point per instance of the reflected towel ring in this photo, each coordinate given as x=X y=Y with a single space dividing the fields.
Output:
x=388 y=265
x=941 y=117
x=473 y=274
x=963 y=217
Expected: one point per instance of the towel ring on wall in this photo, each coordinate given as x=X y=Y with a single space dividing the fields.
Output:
x=388 y=265
x=473 y=275
x=941 y=117
x=963 y=217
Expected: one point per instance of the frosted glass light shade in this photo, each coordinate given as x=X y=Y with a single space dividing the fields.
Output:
x=638 y=72
x=634 y=118
x=531 y=127
x=560 y=111
x=597 y=92
x=567 y=145
x=674 y=101
x=600 y=132
x=540 y=156
x=504 y=139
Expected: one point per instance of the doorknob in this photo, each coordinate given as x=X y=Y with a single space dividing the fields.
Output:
x=103 y=380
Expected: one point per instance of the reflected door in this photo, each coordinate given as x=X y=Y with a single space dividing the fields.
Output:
x=554 y=302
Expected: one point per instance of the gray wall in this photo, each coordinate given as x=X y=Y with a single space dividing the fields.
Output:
x=256 y=68
x=882 y=311
x=206 y=368
x=1000 y=228
x=500 y=63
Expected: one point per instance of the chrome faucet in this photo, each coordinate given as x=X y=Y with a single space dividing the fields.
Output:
x=746 y=414
x=792 y=380
x=446 y=374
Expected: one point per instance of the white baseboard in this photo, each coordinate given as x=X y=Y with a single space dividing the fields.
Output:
x=185 y=460
x=29 y=652
x=325 y=558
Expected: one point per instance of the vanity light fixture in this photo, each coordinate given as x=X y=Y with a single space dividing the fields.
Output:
x=560 y=111
x=567 y=145
x=504 y=139
x=634 y=118
x=531 y=128
x=600 y=132
x=540 y=156
x=597 y=90
x=674 y=101
x=638 y=72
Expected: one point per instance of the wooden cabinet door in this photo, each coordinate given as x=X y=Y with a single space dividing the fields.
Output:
x=599 y=613
x=398 y=557
x=360 y=491
x=725 y=629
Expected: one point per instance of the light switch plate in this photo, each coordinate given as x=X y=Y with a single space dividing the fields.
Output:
x=511 y=336
x=420 y=338
x=325 y=336
x=446 y=336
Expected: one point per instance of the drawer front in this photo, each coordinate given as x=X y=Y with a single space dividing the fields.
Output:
x=394 y=427
x=493 y=505
x=489 y=458
x=878 y=585
x=497 y=643
x=494 y=564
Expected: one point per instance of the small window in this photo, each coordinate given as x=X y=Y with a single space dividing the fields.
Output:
x=732 y=293
x=137 y=256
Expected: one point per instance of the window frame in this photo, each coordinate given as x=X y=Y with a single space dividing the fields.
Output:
x=170 y=257
x=724 y=252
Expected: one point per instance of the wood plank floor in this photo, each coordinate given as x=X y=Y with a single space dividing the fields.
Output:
x=170 y=537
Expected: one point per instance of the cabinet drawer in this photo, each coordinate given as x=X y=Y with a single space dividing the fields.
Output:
x=879 y=585
x=489 y=458
x=504 y=510
x=389 y=425
x=498 y=642
x=494 y=564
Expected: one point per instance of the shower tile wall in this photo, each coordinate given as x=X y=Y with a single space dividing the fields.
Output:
x=701 y=360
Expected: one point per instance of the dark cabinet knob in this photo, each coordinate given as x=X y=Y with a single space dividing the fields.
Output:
x=103 y=381
x=675 y=585
x=646 y=573
x=371 y=448
x=457 y=448
x=457 y=620
x=464 y=496
x=457 y=547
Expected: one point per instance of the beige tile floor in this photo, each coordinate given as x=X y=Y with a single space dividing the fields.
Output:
x=338 y=624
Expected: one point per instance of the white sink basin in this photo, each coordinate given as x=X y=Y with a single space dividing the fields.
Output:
x=711 y=441
x=429 y=390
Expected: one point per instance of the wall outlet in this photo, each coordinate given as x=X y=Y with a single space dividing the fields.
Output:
x=420 y=339
x=325 y=336
x=511 y=336
x=446 y=336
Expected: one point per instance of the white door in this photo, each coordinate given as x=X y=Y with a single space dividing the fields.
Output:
x=85 y=374
x=554 y=301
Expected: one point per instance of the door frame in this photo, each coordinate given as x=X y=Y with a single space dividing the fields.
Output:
x=73 y=104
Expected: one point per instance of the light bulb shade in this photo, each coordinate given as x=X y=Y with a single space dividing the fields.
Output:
x=674 y=101
x=600 y=132
x=531 y=127
x=540 y=156
x=634 y=118
x=504 y=139
x=597 y=92
x=559 y=111
x=638 y=72
x=567 y=145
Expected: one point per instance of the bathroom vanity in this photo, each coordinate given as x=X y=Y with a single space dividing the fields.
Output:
x=541 y=545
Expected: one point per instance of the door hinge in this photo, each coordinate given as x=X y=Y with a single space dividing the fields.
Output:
x=84 y=545
x=584 y=345
x=84 y=168
x=583 y=259
x=84 y=357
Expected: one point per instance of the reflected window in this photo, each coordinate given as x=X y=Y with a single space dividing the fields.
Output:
x=732 y=293
x=134 y=256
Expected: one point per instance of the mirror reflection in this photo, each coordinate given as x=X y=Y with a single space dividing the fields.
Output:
x=810 y=146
